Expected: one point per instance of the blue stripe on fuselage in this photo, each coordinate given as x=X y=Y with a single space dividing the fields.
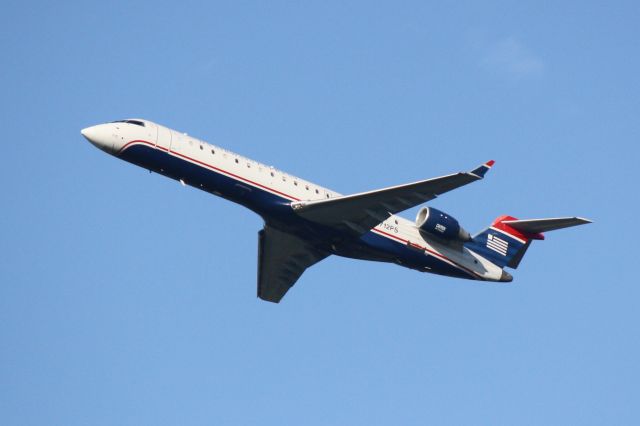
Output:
x=412 y=257
x=256 y=199
x=273 y=207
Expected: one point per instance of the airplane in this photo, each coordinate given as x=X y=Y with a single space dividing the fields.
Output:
x=304 y=223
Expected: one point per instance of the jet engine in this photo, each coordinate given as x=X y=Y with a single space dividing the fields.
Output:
x=434 y=222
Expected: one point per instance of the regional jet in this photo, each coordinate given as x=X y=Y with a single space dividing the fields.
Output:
x=305 y=222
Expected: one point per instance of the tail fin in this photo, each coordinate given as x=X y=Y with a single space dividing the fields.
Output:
x=505 y=242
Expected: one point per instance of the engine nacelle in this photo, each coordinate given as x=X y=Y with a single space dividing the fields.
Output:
x=435 y=222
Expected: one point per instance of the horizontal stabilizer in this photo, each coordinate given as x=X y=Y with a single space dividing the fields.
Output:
x=536 y=226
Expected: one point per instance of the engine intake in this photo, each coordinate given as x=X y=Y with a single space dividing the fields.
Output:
x=435 y=222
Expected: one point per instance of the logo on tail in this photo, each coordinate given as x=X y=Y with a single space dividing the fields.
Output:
x=497 y=244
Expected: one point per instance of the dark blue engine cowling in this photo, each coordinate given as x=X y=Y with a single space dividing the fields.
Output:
x=440 y=224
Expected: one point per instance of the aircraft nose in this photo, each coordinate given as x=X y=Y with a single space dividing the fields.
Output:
x=99 y=136
x=88 y=133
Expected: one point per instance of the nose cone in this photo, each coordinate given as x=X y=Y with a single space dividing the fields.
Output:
x=100 y=136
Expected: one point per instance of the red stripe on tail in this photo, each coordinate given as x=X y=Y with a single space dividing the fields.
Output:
x=511 y=231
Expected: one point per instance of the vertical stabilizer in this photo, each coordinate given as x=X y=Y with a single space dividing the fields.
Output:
x=506 y=241
x=502 y=244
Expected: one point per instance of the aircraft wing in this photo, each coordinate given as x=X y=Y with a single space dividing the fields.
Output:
x=282 y=258
x=359 y=213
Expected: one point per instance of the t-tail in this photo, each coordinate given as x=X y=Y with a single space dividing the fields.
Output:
x=505 y=242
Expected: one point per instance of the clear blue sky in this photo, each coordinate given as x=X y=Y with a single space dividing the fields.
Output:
x=126 y=299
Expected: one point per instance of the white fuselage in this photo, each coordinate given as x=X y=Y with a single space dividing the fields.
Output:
x=118 y=137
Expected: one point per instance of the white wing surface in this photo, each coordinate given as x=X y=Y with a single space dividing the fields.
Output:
x=359 y=213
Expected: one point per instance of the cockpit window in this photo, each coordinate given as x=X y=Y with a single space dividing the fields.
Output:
x=136 y=122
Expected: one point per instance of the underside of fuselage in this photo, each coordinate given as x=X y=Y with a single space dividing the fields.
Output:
x=277 y=212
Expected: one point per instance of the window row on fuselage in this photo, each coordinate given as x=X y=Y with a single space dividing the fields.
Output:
x=309 y=188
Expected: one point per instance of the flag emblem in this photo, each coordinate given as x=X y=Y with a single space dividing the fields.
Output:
x=497 y=244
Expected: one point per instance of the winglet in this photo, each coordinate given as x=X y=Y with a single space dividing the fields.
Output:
x=481 y=170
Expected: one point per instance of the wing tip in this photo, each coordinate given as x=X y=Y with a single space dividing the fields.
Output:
x=584 y=220
x=481 y=170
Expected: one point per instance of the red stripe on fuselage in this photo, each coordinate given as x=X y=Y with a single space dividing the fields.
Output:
x=378 y=231
x=434 y=253
x=202 y=163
